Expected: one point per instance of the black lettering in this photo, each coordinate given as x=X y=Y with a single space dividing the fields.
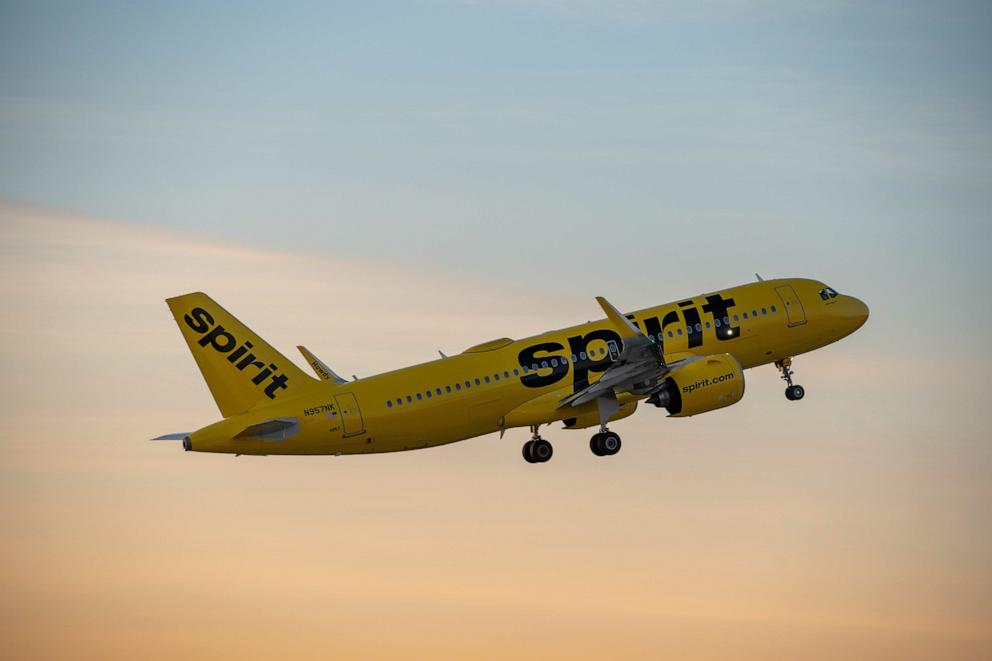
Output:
x=263 y=373
x=199 y=320
x=579 y=345
x=240 y=351
x=278 y=381
x=691 y=319
x=212 y=336
x=528 y=357
x=717 y=305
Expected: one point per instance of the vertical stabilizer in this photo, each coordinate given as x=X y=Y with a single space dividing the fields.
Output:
x=241 y=369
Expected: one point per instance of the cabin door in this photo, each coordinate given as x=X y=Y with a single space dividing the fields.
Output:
x=793 y=306
x=351 y=415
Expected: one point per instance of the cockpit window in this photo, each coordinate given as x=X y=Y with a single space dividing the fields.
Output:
x=827 y=293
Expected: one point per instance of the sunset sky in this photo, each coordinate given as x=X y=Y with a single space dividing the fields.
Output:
x=382 y=180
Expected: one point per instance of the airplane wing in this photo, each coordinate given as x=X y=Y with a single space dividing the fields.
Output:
x=640 y=367
x=323 y=371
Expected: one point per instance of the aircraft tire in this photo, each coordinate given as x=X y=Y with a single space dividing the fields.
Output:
x=528 y=453
x=610 y=443
x=795 y=393
x=541 y=450
x=596 y=444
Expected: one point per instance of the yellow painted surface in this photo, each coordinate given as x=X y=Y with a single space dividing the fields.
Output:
x=493 y=385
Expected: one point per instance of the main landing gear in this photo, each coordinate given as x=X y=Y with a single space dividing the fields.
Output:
x=793 y=392
x=605 y=443
x=537 y=450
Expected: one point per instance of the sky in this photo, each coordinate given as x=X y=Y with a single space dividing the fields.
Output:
x=382 y=180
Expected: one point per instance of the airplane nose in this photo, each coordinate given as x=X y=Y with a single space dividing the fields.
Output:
x=856 y=311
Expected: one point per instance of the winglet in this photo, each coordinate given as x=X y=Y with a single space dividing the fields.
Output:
x=621 y=324
x=323 y=371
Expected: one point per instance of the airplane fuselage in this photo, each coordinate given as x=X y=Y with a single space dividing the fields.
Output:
x=506 y=383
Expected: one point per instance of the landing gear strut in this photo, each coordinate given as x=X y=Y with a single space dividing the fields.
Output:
x=537 y=450
x=605 y=443
x=792 y=392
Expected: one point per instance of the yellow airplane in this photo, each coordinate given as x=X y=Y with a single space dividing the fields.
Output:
x=687 y=357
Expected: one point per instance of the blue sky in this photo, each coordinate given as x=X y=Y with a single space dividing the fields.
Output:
x=529 y=142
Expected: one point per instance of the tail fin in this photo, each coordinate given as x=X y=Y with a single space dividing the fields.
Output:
x=241 y=369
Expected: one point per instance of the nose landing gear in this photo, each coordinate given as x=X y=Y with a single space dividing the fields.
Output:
x=793 y=392
x=537 y=450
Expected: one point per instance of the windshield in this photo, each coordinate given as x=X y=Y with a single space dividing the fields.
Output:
x=827 y=293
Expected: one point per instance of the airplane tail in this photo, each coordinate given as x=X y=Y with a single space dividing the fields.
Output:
x=241 y=369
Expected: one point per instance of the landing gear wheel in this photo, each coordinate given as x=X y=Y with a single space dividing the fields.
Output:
x=795 y=393
x=610 y=443
x=528 y=455
x=541 y=450
x=537 y=451
x=604 y=444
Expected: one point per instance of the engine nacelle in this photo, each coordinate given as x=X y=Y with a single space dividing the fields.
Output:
x=702 y=385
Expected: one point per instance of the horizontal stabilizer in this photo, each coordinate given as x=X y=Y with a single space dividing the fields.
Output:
x=320 y=369
x=178 y=436
x=277 y=429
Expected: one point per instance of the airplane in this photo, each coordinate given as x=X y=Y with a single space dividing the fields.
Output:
x=687 y=357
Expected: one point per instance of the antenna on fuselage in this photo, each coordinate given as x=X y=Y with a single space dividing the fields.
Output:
x=760 y=279
x=442 y=353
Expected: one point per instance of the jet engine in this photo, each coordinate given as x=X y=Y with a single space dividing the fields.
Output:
x=704 y=384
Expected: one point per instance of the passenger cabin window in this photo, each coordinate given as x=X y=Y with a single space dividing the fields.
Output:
x=389 y=404
x=437 y=391
x=764 y=311
x=773 y=308
x=458 y=386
